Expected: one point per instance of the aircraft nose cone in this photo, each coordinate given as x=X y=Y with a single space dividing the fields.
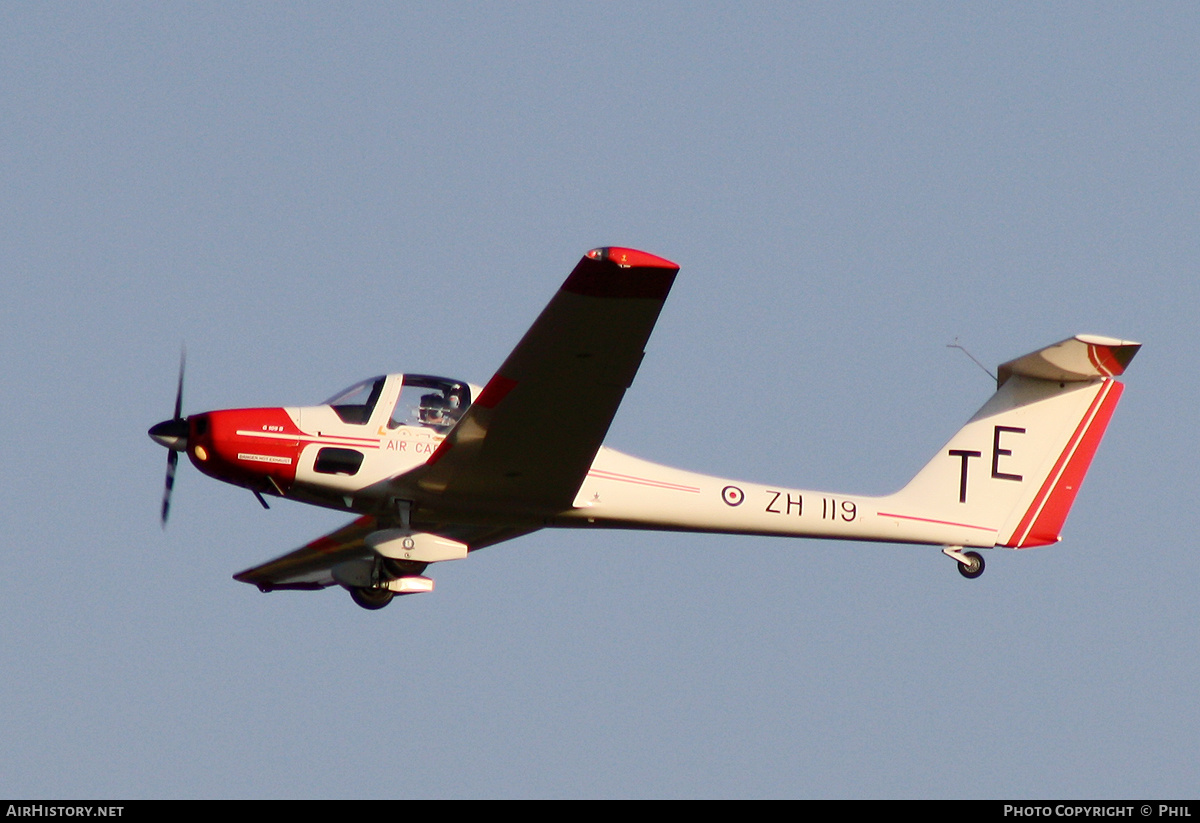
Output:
x=170 y=433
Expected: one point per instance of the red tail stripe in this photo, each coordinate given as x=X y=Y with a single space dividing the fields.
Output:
x=1044 y=520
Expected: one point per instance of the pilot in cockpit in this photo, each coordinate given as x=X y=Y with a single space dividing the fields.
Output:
x=455 y=409
x=433 y=411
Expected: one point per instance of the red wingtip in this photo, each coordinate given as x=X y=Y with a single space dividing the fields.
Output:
x=614 y=272
x=630 y=258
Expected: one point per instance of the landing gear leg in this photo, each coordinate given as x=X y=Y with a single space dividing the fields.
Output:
x=970 y=564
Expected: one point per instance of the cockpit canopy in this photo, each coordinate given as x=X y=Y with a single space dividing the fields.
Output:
x=423 y=400
x=355 y=404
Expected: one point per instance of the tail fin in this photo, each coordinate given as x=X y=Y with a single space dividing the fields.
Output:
x=1013 y=470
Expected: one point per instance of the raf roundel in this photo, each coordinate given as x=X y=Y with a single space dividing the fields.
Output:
x=732 y=496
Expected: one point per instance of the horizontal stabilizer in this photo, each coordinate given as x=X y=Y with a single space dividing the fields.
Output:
x=1079 y=358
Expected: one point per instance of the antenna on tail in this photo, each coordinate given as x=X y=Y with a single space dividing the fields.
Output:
x=956 y=345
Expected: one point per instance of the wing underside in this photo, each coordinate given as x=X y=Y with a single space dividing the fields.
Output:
x=311 y=566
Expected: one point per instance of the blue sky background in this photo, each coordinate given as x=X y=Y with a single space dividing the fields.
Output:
x=307 y=194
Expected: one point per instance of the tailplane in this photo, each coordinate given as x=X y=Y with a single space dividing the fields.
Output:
x=1010 y=475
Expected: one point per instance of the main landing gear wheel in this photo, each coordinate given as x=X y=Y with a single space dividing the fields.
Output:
x=371 y=598
x=972 y=569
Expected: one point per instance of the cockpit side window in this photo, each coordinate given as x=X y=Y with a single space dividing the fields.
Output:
x=431 y=402
x=356 y=403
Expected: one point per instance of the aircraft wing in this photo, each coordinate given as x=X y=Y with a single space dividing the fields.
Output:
x=311 y=565
x=525 y=444
x=523 y=448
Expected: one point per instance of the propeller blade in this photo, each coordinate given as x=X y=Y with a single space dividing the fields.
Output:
x=172 y=462
x=179 y=389
x=170 y=435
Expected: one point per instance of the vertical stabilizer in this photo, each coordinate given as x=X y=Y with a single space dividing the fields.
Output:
x=1014 y=469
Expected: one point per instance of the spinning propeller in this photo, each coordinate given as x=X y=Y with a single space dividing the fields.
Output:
x=173 y=434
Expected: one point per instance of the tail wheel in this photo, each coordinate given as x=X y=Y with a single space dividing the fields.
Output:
x=973 y=568
x=371 y=598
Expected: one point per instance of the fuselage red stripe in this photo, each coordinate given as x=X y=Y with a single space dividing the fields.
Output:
x=329 y=440
x=625 y=478
x=938 y=522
